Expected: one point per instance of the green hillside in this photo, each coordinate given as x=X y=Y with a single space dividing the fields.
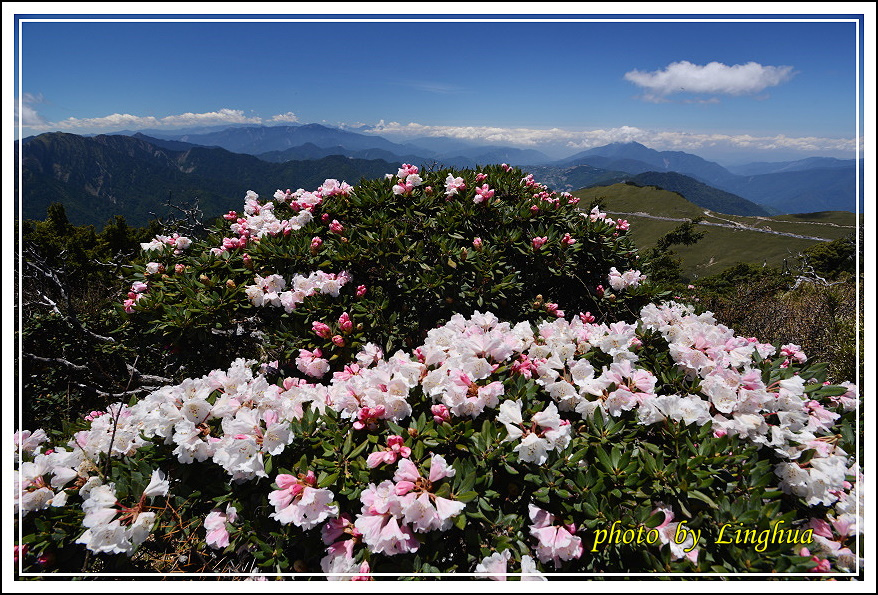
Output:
x=728 y=239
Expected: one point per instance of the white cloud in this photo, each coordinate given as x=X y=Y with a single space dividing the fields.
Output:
x=287 y=117
x=586 y=139
x=29 y=115
x=130 y=121
x=113 y=121
x=712 y=78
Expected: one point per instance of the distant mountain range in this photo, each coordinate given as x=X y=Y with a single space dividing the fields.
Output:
x=134 y=173
x=283 y=143
x=99 y=177
x=804 y=186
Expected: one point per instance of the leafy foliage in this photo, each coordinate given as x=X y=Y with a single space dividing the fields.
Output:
x=421 y=257
x=535 y=412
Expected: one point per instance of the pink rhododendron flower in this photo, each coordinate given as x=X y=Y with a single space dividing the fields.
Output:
x=395 y=448
x=483 y=193
x=453 y=185
x=364 y=573
x=667 y=535
x=538 y=242
x=630 y=278
x=297 y=501
x=555 y=542
x=332 y=187
x=336 y=227
x=495 y=564
x=794 y=353
x=477 y=243
x=311 y=363
x=215 y=524
x=367 y=417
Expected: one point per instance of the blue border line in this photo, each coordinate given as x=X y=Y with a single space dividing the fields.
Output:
x=442 y=16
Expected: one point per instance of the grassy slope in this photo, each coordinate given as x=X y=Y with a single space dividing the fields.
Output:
x=721 y=247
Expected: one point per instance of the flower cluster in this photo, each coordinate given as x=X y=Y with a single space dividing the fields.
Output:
x=453 y=185
x=271 y=290
x=237 y=418
x=630 y=278
x=546 y=432
x=554 y=542
x=394 y=510
x=174 y=242
x=107 y=532
x=297 y=501
x=408 y=179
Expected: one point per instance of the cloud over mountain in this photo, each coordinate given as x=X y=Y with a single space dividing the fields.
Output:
x=585 y=139
x=709 y=79
x=29 y=115
x=116 y=121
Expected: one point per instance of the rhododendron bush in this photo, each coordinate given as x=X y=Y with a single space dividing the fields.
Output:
x=480 y=386
x=319 y=274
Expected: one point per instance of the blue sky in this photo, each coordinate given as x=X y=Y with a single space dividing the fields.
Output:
x=718 y=89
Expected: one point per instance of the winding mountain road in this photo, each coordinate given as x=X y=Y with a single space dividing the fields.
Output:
x=728 y=224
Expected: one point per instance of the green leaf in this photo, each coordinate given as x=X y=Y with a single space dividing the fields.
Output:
x=698 y=495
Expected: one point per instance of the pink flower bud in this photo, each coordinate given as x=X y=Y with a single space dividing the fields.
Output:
x=338 y=340
x=539 y=242
x=440 y=413
x=345 y=323
x=600 y=290
x=477 y=243
x=321 y=330
x=361 y=290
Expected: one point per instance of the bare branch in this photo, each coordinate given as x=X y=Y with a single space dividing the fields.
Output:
x=58 y=360
x=38 y=265
x=147 y=377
